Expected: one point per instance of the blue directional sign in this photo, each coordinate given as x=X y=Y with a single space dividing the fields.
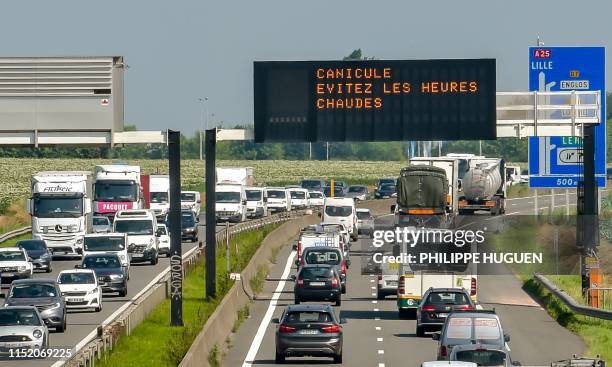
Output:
x=555 y=162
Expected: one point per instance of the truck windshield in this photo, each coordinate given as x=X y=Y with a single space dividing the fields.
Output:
x=228 y=197
x=104 y=244
x=338 y=211
x=158 y=197
x=12 y=256
x=188 y=197
x=134 y=227
x=298 y=194
x=311 y=184
x=58 y=207
x=276 y=194
x=253 y=195
x=357 y=189
x=114 y=191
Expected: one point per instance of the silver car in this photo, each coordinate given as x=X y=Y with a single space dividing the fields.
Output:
x=365 y=222
x=101 y=224
x=45 y=295
x=22 y=327
x=358 y=192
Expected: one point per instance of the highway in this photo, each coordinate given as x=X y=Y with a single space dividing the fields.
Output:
x=375 y=336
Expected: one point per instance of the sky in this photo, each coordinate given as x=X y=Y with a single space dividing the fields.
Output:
x=179 y=51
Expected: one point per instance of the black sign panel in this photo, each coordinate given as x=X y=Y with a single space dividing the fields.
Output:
x=374 y=100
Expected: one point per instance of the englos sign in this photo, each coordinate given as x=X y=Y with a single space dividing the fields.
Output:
x=375 y=100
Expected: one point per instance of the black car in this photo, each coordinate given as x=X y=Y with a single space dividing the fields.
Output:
x=326 y=255
x=385 y=191
x=437 y=304
x=308 y=330
x=385 y=181
x=339 y=191
x=112 y=276
x=189 y=226
x=39 y=253
x=318 y=283
x=45 y=295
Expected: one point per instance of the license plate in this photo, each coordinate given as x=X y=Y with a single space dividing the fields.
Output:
x=309 y=331
x=137 y=255
x=442 y=315
x=75 y=299
x=317 y=284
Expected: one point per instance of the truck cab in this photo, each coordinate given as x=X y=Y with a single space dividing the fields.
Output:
x=257 y=202
x=159 y=195
x=191 y=200
x=117 y=187
x=140 y=225
x=341 y=210
x=230 y=203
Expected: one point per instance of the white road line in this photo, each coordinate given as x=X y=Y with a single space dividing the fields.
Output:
x=376 y=310
x=377 y=319
x=374 y=288
x=379 y=339
x=378 y=328
x=513 y=204
x=479 y=307
x=381 y=365
x=375 y=301
x=381 y=351
x=371 y=280
x=261 y=331
x=373 y=294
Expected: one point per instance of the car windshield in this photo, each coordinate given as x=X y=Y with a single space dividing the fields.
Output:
x=276 y=194
x=15 y=317
x=297 y=194
x=388 y=188
x=58 y=206
x=162 y=230
x=100 y=221
x=77 y=278
x=311 y=184
x=447 y=298
x=253 y=195
x=158 y=197
x=187 y=196
x=134 y=227
x=32 y=245
x=298 y=317
x=33 y=290
x=114 y=191
x=386 y=181
x=322 y=257
x=227 y=197
x=363 y=215
x=12 y=256
x=104 y=244
x=338 y=211
x=482 y=357
x=315 y=195
x=316 y=273
x=101 y=262
x=187 y=220
x=357 y=189
x=467 y=330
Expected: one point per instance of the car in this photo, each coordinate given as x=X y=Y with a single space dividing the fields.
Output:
x=191 y=200
x=14 y=265
x=365 y=222
x=112 y=276
x=45 y=295
x=470 y=327
x=308 y=330
x=436 y=304
x=318 y=283
x=315 y=199
x=482 y=355
x=358 y=192
x=524 y=176
x=385 y=191
x=22 y=327
x=313 y=184
x=102 y=243
x=338 y=191
x=164 y=239
x=189 y=226
x=80 y=289
x=101 y=224
x=326 y=255
x=387 y=279
x=140 y=225
x=385 y=181
x=37 y=253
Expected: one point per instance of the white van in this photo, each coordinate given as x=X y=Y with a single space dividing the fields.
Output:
x=315 y=199
x=257 y=202
x=159 y=195
x=341 y=210
x=100 y=243
x=191 y=200
x=140 y=225
x=279 y=199
x=299 y=198
x=230 y=203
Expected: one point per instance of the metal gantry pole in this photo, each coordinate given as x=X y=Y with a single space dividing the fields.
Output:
x=211 y=240
x=174 y=216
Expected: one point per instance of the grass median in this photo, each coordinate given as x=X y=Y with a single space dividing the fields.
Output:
x=154 y=342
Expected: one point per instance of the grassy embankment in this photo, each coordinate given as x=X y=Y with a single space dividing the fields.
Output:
x=154 y=342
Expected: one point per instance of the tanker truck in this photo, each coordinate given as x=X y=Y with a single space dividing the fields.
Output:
x=483 y=185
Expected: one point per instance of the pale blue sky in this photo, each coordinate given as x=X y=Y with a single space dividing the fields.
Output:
x=181 y=50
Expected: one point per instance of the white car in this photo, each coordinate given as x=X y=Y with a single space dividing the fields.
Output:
x=80 y=289
x=164 y=239
x=315 y=199
x=14 y=265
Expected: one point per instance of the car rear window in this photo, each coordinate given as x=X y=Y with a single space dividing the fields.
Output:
x=447 y=298
x=316 y=272
x=297 y=317
x=463 y=330
x=322 y=257
x=482 y=357
x=363 y=215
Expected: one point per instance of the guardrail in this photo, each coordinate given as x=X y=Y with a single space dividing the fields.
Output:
x=571 y=303
x=602 y=297
x=14 y=233
x=131 y=314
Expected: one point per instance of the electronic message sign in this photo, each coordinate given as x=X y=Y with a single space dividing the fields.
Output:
x=375 y=100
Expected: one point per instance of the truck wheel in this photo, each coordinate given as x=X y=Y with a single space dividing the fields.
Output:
x=280 y=358
x=420 y=332
x=338 y=359
x=339 y=301
x=297 y=301
x=380 y=295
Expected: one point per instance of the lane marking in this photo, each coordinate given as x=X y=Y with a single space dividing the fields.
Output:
x=376 y=310
x=381 y=365
x=375 y=301
x=371 y=280
x=377 y=319
x=479 y=307
x=381 y=351
x=378 y=328
x=265 y=321
x=373 y=294
x=379 y=339
x=373 y=287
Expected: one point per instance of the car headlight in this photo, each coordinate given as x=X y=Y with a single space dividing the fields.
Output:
x=122 y=257
x=79 y=241
x=21 y=268
x=151 y=242
x=55 y=305
x=94 y=291
x=116 y=276
x=45 y=256
x=37 y=334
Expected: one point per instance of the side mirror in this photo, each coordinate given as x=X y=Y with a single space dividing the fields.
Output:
x=29 y=206
x=275 y=320
x=319 y=214
x=158 y=233
x=87 y=206
x=294 y=247
x=265 y=200
x=77 y=266
x=30 y=259
x=297 y=262
x=244 y=202
x=435 y=336
x=293 y=278
x=342 y=321
x=348 y=262
x=393 y=208
x=506 y=338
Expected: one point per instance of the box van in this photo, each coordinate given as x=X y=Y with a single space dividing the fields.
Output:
x=159 y=195
x=140 y=225
x=257 y=202
x=317 y=239
x=108 y=242
x=341 y=210
x=279 y=199
x=299 y=198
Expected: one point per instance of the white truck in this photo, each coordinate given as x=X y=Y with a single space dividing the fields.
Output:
x=159 y=195
x=117 y=187
x=140 y=225
x=230 y=193
x=341 y=211
x=60 y=207
x=257 y=202
x=191 y=200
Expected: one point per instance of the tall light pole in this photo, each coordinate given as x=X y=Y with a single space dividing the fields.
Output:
x=203 y=105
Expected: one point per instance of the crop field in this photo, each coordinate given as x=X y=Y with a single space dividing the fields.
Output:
x=15 y=173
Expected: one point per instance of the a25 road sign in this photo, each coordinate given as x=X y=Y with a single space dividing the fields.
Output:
x=557 y=161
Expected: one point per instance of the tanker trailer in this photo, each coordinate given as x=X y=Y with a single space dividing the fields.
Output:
x=483 y=186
